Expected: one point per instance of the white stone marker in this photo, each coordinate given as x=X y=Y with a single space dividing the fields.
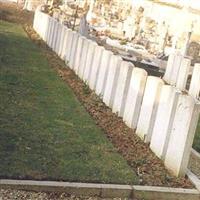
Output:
x=62 y=35
x=195 y=82
x=95 y=66
x=164 y=119
x=168 y=71
x=183 y=74
x=122 y=87
x=176 y=68
x=89 y=60
x=53 y=33
x=182 y=135
x=58 y=37
x=81 y=68
x=111 y=82
x=103 y=72
x=65 y=42
x=149 y=108
x=134 y=97
x=73 y=49
x=56 y=30
x=78 y=54
x=48 y=30
x=69 y=45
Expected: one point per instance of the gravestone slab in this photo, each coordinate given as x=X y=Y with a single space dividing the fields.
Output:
x=122 y=87
x=164 y=119
x=134 y=97
x=149 y=108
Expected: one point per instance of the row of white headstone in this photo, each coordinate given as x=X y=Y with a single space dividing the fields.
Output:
x=161 y=114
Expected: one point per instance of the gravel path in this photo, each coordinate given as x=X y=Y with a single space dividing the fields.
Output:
x=26 y=195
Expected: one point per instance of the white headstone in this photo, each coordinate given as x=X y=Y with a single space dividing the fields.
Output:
x=69 y=45
x=58 y=38
x=81 y=68
x=168 y=71
x=134 y=97
x=182 y=135
x=176 y=68
x=52 y=38
x=73 y=49
x=78 y=53
x=195 y=82
x=48 y=30
x=164 y=119
x=55 y=36
x=112 y=78
x=183 y=74
x=149 y=108
x=65 y=42
x=122 y=87
x=62 y=35
x=95 y=66
x=89 y=60
x=103 y=72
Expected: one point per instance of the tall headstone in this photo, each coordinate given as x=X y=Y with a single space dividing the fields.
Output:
x=182 y=135
x=164 y=119
x=95 y=66
x=65 y=43
x=73 y=50
x=79 y=52
x=103 y=72
x=195 y=82
x=83 y=58
x=149 y=108
x=89 y=60
x=112 y=78
x=134 y=97
x=122 y=87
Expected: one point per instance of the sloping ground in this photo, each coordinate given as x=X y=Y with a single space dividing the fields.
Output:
x=45 y=133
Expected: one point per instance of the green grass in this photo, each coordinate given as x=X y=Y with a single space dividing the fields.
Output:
x=45 y=133
x=196 y=144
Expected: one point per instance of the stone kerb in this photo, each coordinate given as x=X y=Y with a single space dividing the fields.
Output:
x=68 y=46
x=95 y=66
x=195 y=82
x=134 y=97
x=164 y=119
x=65 y=43
x=122 y=87
x=149 y=108
x=78 y=54
x=82 y=63
x=182 y=135
x=103 y=72
x=89 y=60
x=112 y=78
x=73 y=49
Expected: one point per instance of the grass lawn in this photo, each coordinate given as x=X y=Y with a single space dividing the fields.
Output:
x=45 y=133
x=197 y=138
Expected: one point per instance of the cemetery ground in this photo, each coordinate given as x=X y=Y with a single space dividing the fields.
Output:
x=47 y=133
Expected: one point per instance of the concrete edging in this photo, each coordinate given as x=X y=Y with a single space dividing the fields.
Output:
x=103 y=190
x=194 y=179
x=195 y=154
